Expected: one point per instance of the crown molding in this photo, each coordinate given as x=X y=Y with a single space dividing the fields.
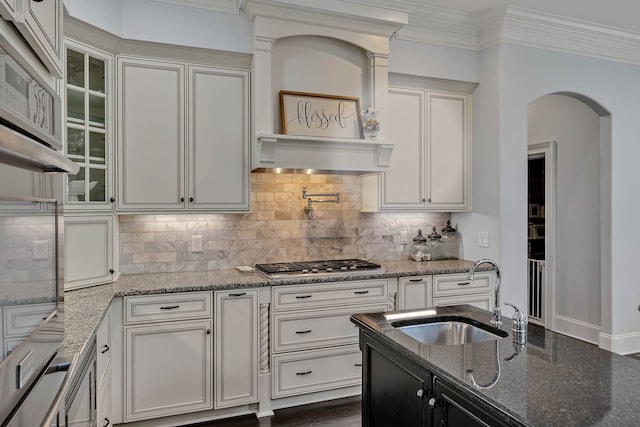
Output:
x=523 y=27
x=228 y=6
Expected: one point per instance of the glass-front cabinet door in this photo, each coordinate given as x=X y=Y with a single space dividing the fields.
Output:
x=88 y=126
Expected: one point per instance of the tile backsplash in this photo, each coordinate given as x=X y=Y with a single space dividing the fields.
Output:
x=277 y=229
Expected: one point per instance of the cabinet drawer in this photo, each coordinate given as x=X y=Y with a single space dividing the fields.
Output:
x=483 y=301
x=305 y=330
x=456 y=284
x=22 y=320
x=328 y=294
x=160 y=308
x=316 y=370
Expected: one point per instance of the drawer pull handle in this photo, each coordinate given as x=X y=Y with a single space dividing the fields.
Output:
x=303 y=332
x=416 y=280
x=463 y=283
x=358 y=364
x=106 y=422
x=303 y=373
x=169 y=307
x=238 y=295
x=303 y=296
x=208 y=331
x=106 y=348
x=360 y=292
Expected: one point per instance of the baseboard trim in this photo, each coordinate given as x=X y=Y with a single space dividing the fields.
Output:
x=622 y=344
x=578 y=329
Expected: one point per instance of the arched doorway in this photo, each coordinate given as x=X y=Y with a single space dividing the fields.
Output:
x=580 y=251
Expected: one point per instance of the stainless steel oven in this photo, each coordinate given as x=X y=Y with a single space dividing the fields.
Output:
x=32 y=378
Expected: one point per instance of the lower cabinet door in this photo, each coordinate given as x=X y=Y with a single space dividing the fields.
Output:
x=236 y=348
x=395 y=393
x=168 y=369
x=453 y=409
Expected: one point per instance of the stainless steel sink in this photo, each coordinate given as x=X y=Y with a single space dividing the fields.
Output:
x=449 y=332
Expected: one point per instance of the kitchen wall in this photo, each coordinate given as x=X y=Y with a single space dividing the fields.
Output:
x=276 y=230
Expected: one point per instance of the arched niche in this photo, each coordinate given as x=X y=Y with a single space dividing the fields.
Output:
x=320 y=65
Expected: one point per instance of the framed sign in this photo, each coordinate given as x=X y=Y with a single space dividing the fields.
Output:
x=311 y=114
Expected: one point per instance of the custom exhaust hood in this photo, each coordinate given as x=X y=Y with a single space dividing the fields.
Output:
x=356 y=39
x=304 y=154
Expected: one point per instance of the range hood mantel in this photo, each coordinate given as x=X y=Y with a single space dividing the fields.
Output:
x=294 y=153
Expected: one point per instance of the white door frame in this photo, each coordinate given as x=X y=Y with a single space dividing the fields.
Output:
x=548 y=150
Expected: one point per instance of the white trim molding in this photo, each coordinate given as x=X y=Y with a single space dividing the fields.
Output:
x=577 y=329
x=621 y=344
x=228 y=6
x=516 y=25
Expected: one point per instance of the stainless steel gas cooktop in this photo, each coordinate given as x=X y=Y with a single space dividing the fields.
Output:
x=310 y=268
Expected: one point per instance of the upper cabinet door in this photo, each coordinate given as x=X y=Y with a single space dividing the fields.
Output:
x=40 y=22
x=218 y=139
x=448 y=144
x=403 y=185
x=150 y=149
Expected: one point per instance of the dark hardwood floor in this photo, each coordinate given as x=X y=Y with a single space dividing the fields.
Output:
x=335 y=413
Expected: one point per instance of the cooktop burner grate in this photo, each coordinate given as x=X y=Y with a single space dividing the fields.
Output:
x=286 y=269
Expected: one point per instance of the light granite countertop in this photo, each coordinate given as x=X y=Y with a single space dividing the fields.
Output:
x=85 y=308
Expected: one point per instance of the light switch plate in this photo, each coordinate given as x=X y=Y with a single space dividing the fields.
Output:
x=403 y=237
x=483 y=239
x=196 y=243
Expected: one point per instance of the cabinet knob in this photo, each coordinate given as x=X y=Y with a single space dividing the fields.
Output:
x=208 y=331
x=433 y=402
x=191 y=199
x=429 y=200
x=420 y=393
x=424 y=200
x=105 y=349
x=111 y=271
x=112 y=199
x=181 y=199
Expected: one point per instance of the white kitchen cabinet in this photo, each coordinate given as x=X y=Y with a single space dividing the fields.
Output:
x=89 y=127
x=218 y=139
x=430 y=168
x=314 y=345
x=150 y=147
x=89 y=250
x=452 y=289
x=183 y=142
x=414 y=292
x=168 y=364
x=40 y=23
x=236 y=348
x=104 y=350
x=446 y=289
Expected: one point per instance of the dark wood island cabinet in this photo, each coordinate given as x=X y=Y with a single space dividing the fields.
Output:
x=397 y=392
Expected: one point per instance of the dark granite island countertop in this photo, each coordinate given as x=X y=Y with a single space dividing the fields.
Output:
x=553 y=380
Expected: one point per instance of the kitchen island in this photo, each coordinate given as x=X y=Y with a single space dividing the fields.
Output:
x=553 y=380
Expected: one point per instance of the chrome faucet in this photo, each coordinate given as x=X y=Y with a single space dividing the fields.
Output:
x=496 y=319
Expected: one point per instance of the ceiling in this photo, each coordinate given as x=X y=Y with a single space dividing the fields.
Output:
x=622 y=14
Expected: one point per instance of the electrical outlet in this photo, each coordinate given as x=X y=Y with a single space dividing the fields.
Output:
x=196 y=243
x=403 y=237
x=483 y=239
x=40 y=249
